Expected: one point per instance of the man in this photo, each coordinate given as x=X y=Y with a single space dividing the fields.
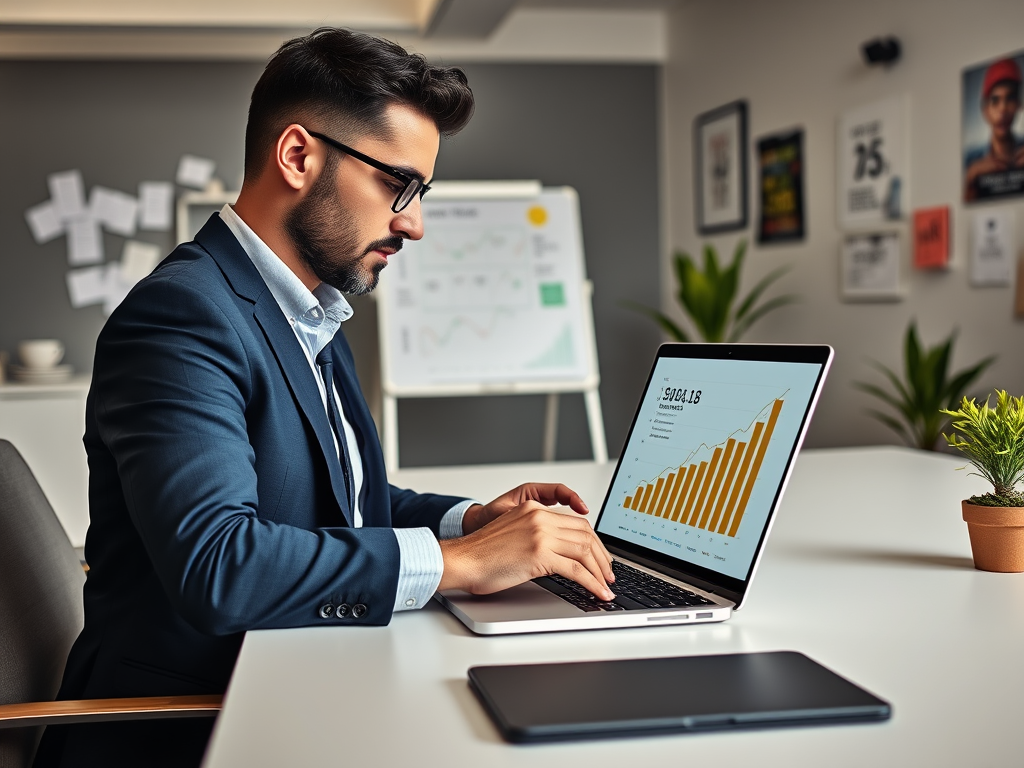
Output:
x=236 y=479
x=1000 y=103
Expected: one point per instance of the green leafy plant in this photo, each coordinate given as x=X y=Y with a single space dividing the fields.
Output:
x=992 y=439
x=708 y=297
x=927 y=388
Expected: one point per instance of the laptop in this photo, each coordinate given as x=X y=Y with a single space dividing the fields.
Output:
x=693 y=496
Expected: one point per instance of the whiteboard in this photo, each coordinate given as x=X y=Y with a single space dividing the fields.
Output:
x=494 y=294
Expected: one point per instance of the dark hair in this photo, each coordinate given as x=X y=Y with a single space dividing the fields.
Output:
x=346 y=80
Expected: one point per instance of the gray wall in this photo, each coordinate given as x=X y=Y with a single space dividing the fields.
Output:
x=587 y=126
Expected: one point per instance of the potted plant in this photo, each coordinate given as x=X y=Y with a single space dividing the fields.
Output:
x=992 y=439
x=708 y=297
x=927 y=388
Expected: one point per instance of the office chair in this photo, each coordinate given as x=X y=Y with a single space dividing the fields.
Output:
x=41 y=614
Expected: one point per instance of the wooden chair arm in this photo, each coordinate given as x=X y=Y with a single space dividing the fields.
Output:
x=100 y=710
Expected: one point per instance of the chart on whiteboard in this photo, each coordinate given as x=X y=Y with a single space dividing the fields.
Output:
x=492 y=293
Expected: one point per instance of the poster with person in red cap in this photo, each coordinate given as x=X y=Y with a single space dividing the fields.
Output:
x=993 y=133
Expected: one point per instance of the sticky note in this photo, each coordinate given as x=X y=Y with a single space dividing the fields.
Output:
x=44 y=223
x=115 y=211
x=195 y=171
x=156 y=203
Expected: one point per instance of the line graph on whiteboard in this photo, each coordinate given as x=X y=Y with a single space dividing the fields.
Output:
x=491 y=293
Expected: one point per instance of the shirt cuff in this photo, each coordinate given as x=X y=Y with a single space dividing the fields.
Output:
x=420 y=568
x=451 y=523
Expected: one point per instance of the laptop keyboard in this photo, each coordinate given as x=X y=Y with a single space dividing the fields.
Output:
x=634 y=591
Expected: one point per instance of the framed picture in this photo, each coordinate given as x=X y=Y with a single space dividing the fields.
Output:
x=993 y=129
x=872 y=164
x=780 y=159
x=870 y=267
x=720 y=145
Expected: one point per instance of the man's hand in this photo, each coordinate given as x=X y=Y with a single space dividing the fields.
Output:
x=516 y=538
x=548 y=494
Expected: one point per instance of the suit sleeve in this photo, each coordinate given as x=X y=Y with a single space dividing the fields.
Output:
x=172 y=383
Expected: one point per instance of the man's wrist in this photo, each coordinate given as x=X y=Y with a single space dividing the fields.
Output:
x=471 y=519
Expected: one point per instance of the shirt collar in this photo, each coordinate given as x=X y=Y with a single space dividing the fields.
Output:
x=295 y=299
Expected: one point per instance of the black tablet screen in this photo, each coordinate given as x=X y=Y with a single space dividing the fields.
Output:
x=542 y=702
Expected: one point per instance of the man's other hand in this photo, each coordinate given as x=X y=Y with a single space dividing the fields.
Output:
x=516 y=538
x=548 y=494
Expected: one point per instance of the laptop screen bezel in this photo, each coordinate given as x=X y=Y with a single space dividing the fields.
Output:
x=707 y=579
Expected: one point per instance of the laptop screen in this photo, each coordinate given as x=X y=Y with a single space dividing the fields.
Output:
x=709 y=449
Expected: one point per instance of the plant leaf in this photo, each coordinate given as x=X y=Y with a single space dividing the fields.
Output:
x=772 y=304
x=894 y=424
x=757 y=290
x=666 y=323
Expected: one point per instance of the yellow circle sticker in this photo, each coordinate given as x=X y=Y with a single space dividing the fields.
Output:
x=537 y=215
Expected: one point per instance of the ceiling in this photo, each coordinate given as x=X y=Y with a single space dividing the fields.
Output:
x=463 y=19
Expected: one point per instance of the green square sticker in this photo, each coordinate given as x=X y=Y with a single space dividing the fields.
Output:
x=552 y=295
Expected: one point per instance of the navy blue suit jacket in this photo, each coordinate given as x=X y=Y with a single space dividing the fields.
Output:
x=217 y=500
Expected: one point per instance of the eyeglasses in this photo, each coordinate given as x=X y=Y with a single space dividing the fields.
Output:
x=413 y=186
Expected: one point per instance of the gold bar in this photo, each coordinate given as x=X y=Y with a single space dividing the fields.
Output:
x=731 y=505
x=636 y=496
x=716 y=484
x=682 y=492
x=654 y=499
x=647 y=496
x=755 y=467
x=694 y=490
x=664 y=496
x=672 y=495
x=629 y=502
x=715 y=458
x=737 y=455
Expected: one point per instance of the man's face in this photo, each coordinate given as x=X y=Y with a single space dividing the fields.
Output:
x=343 y=227
x=1001 y=107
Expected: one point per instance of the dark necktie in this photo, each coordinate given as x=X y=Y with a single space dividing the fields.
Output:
x=326 y=365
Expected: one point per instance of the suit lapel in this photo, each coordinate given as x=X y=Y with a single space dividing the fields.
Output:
x=246 y=281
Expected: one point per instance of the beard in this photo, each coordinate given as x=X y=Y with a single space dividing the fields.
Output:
x=324 y=234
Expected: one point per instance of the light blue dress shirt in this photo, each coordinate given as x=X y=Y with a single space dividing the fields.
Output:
x=316 y=316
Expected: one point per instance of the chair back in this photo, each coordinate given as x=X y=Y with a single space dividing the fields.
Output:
x=41 y=611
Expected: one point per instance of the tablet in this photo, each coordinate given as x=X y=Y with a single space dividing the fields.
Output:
x=582 y=700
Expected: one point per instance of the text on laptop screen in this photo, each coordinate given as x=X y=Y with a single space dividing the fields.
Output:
x=706 y=456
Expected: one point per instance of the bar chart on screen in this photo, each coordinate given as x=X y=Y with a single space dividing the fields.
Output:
x=711 y=493
x=706 y=457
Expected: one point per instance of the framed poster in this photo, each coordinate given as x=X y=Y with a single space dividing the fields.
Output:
x=780 y=160
x=870 y=267
x=872 y=164
x=993 y=129
x=993 y=247
x=720 y=146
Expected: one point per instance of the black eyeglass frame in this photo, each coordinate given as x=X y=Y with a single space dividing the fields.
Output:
x=413 y=185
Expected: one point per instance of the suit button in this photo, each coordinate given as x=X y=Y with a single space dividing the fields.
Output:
x=342 y=611
x=326 y=611
x=358 y=611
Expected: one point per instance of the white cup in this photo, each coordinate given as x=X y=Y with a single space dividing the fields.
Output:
x=40 y=353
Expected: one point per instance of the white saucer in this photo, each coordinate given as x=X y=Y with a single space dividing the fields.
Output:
x=55 y=374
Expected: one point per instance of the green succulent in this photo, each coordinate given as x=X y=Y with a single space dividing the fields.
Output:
x=992 y=439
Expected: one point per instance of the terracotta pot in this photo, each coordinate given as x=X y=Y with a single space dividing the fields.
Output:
x=997 y=537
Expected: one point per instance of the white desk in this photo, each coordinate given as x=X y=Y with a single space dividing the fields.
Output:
x=868 y=570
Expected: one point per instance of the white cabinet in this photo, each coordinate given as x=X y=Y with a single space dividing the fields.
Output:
x=46 y=423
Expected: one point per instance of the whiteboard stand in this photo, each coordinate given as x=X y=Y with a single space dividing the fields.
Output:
x=470 y=208
x=589 y=388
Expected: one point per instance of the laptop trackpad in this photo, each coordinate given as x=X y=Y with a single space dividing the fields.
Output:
x=524 y=602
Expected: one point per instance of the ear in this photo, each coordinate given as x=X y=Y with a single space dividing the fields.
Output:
x=298 y=157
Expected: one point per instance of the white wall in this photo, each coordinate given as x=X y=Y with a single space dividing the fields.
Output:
x=797 y=62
